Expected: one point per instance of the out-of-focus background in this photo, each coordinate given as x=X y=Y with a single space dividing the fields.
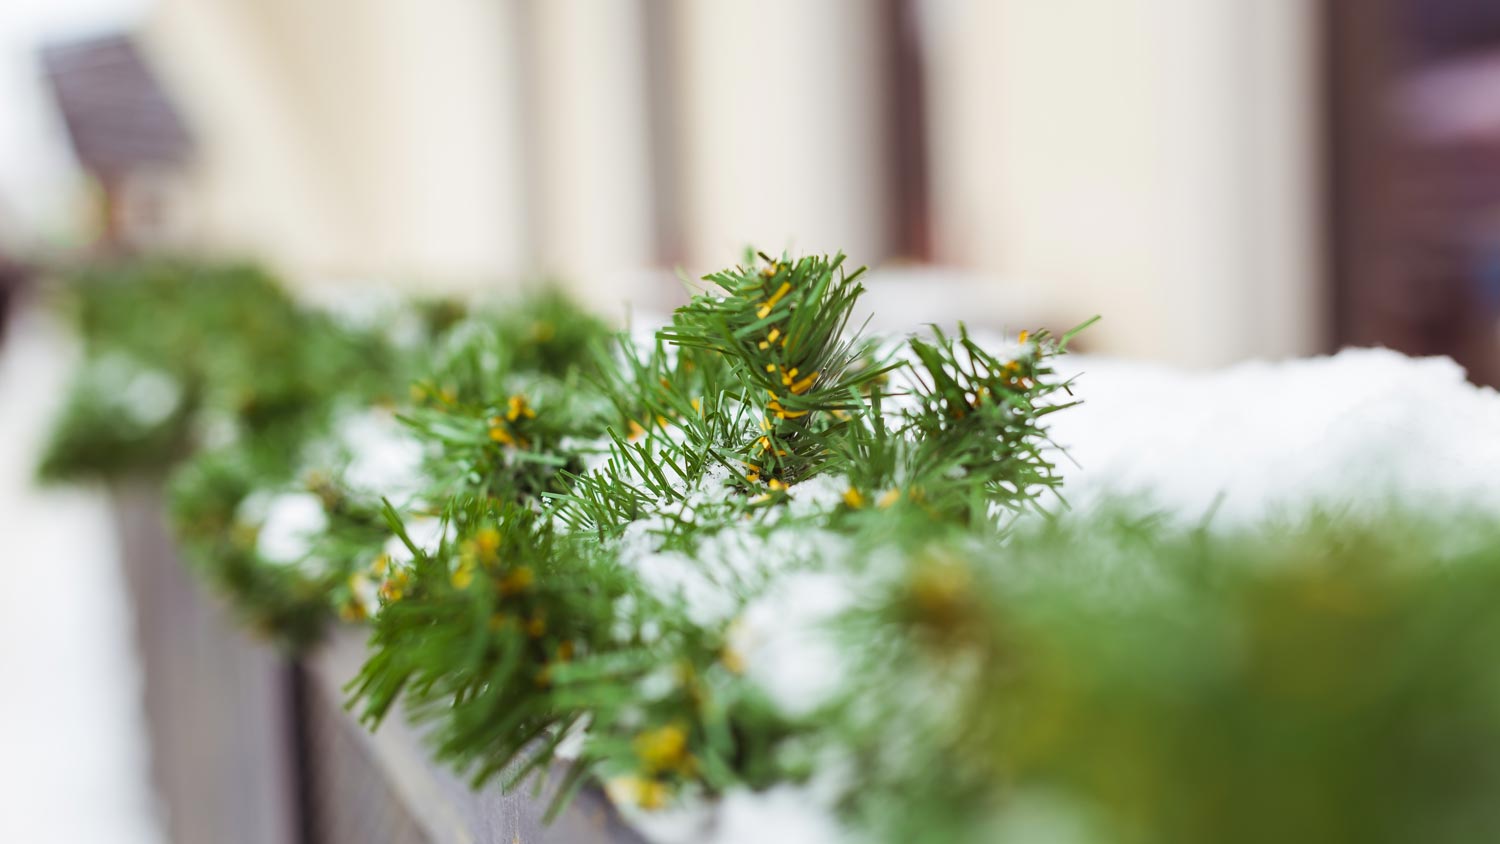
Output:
x=1220 y=179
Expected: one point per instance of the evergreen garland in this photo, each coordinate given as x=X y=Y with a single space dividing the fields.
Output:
x=575 y=545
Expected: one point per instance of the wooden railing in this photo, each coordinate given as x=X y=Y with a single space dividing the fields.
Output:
x=251 y=747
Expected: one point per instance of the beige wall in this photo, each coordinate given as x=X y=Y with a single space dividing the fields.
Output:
x=782 y=128
x=1149 y=160
x=354 y=138
x=255 y=187
x=593 y=184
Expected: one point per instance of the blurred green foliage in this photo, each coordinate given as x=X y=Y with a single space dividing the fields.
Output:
x=212 y=351
x=1121 y=680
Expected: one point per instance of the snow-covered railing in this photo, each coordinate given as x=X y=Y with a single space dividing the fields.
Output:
x=249 y=748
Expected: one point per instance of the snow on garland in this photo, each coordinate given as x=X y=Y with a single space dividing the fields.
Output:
x=768 y=580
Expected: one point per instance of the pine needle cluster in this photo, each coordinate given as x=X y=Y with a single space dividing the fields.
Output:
x=707 y=435
x=579 y=570
x=598 y=516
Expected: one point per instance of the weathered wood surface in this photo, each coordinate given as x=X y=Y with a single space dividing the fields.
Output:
x=444 y=806
x=247 y=750
x=218 y=705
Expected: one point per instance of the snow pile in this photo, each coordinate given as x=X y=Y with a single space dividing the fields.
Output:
x=1361 y=429
x=785 y=814
x=289 y=525
x=384 y=458
x=785 y=639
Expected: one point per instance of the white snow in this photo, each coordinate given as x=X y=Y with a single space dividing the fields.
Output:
x=706 y=582
x=1361 y=429
x=674 y=577
x=784 y=638
x=819 y=494
x=425 y=532
x=384 y=458
x=688 y=821
x=75 y=766
x=149 y=396
x=290 y=527
x=143 y=395
x=361 y=304
x=785 y=814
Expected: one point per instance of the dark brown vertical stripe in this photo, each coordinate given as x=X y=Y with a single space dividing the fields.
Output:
x=663 y=127
x=911 y=222
x=1358 y=63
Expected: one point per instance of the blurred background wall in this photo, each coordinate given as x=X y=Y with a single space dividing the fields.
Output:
x=1147 y=159
x=1213 y=176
